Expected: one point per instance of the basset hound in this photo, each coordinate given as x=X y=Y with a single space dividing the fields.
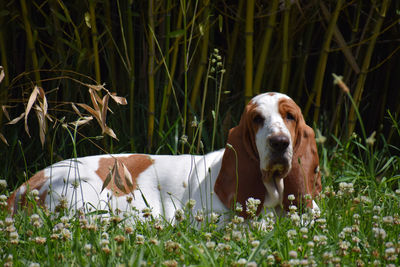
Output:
x=271 y=154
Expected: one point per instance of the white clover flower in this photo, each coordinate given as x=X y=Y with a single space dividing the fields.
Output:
x=293 y=254
x=3 y=184
x=214 y=217
x=191 y=203
x=236 y=235
x=210 y=244
x=139 y=239
x=179 y=215
x=291 y=233
x=255 y=243
x=241 y=262
x=291 y=197
x=388 y=219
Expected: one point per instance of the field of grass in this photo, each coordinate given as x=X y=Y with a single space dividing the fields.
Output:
x=358 y=225
x=183 y=70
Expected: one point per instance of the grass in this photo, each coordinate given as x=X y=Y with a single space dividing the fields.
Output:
x=359 y=224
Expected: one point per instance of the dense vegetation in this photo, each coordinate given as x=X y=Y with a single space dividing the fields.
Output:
x=100 y=76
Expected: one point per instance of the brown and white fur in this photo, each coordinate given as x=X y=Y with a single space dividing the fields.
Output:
x=271 y=153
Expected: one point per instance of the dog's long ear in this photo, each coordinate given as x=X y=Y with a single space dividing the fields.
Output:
x=304 y=177
x=240 y=175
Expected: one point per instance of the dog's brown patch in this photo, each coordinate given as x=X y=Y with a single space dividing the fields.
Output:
x=135 y=164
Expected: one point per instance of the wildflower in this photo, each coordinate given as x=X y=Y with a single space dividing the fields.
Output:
x=119 y=238
x=34 y=264
x=65 y=234
x=379 y=232
x=388 y=219
x=319 y=138
x=371 y=139
x=241 y=262
x=106 y=249
x=172 y=246
x=251 y=206
x=170 y=263
x=255 y=243
x=158 y=225
x=190 y=204
x=210 y=244
x=291 y=233
x=270 y=259
x=199 y=216
x=115 y=219
x=146 y=212
x=3 y=184
x=295 y=218
x=344 y=245
x=236 y=235
x=128 y=230
x=237 y=219
x=238 y=207
x=356 y=239
x=293 y=254
x=139 y=239
x=40 y=240
x=207 y=236
x=14 y=238
x=9 y=221
x=365 y=200
x=87 y=247
x=104 y=242
x=154 y=241
x=377 y=209
x=179 y=215
x=214 y=217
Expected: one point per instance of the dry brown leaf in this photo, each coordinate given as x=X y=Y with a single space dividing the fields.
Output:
x=2 y=75
x=42 y=123
x=117 y=178
x=76 y=110
x=128 y=178
x=3 y=139
x=104 y=111
x=82 y=121
x=43 y=103
x=98 y=87
x=119 y=99
x=110 y=132
x=5 y=112
x=89 y=109
x=32 y=99
x=94 y=100
x=17 y=119
x=107 y=180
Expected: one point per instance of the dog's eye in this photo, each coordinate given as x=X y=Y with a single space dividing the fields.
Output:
x=316 y=170
x=289 y=116
x=258 y=119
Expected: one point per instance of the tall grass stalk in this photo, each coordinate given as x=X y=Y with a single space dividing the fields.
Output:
x=150 y=75
x=30 y=41
x=95 y=40
x=321 y=66
x=249 y=32
x=260 y=72
x=364 y=68
x=285 y=48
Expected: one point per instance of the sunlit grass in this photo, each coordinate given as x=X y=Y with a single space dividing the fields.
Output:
x=359 y=224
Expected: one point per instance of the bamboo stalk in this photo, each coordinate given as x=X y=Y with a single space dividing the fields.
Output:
x=130 y=60
x=95 y=46
x=249 y=32
x=232 y=44
x=30 y=41
x=203 y=59
x=150 y=75
x=285 y=49
x=174 y=60
x=321 y=66
x=364 y=68
x=266 y=45
x=110 y=47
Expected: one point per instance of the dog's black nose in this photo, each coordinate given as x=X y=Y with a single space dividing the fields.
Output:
x=278 y=142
